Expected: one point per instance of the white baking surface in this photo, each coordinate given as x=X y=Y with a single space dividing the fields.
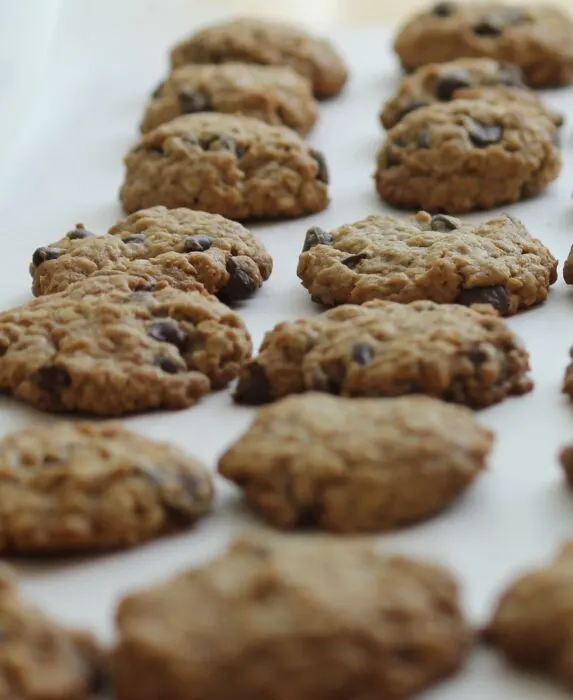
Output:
x=109 y=56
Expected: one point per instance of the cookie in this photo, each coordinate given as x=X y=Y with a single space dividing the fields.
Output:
x=532 y=624
x=356 y=466
x=90 y=486
x=386 y=349
x=101 y=348
x=235 y=166
x=274 y=94
x=304 y=619
x=466 y=155
x=39 y=659
x=439 y=258
x=536 y=37
x=267 y=43
x=184 y=248
x=568 y=268
x=568 y=380
x=443 y=82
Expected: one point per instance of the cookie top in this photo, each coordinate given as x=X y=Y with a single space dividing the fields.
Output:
x=104 y=349
x=356 y=466
x=183 y=248
x=92 y=486
x=439 y=258
x=267 y=43
x=387 y=349
x=231 y=165
x=39 y=660
x=532 y=622
x=300 y=599
x=465 y=155
x=537 y=38
x=273 y=94
x=443 y=82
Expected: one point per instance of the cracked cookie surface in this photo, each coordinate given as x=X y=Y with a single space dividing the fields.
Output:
x=267 y=43
x=235 y=166
x=356 y=466
x=183 y=248
x=465 y=155
x=274 y=94
x=93 y=486
x=300 y=599
x=439 y=258
x=387 y=349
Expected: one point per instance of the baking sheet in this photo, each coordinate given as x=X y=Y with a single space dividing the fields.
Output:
x=109 y=56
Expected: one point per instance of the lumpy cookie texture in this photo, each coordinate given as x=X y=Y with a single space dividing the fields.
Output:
x=466 y=155
x=386 y=349
x=477 y=78
x=356 y=466
x=235 y=166
x=101 y=348
x=90 y=486
x=439 y=258
x=273 y=94
x=532 y=623
x=536 y=37
x=39 y=660
x=309 y=618
x=267 y=43
x=183 y=248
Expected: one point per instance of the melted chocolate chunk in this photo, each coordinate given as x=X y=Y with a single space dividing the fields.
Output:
x=323 y=174
x=483 y=135
x=253 y=387
x=443 y=223
x=167 y=364
x=352 y=260
x=362 y=353
x=191 y=101
x=241 y=282
x=316 y=236
x=495 y=294
x=53 y=379
x=197 y=244
x=41 y=255
x=451 y=81
x=169 y=331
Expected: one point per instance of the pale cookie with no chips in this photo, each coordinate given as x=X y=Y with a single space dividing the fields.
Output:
x=439 y=258
x=39 y=659
x=70 y=487
x=101 y=348
x=465 y=155
x=532 y=624
x=183 y=248
x=348 y=465
x=267 y=43
x=536 y=37
x=273 y=94
x=386 y=349
x=235 y=166
x=301 y=619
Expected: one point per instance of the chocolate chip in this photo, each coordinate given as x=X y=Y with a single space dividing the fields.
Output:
x=443 y=223
x=495 y=294
x=167 y=364
x=178 y=505
x=168 y=331
x=362 y=353
x=323 y=175
x=424 y=139
x=477 y=355
x=134 y=239
x=316 y=236
x=410 y=106
x=482 y=135
x=488 y=26
x=157 y=92
x=197 y=244
x=241 y=282
x=53 y=379
x=77 y=233
x=451 y=81
x=444 y=9
x=253 y=387
x=41 y=255
x=191 y=101
x=352 y=260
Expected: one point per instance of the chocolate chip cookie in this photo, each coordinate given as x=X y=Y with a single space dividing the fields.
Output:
x=273 y=94
x=465 y=155
x=93 y=486
x=39 y=659
x=532 y=623
x=568 y=268
x=235 y=166
x=267 y=43
x=356 y=466
x=101 y=348
x=536 y=37
x=307 y=617
x=386 y=349
x=465 y=78
x=438 y=257
x=568 y=380
x=183 y=248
